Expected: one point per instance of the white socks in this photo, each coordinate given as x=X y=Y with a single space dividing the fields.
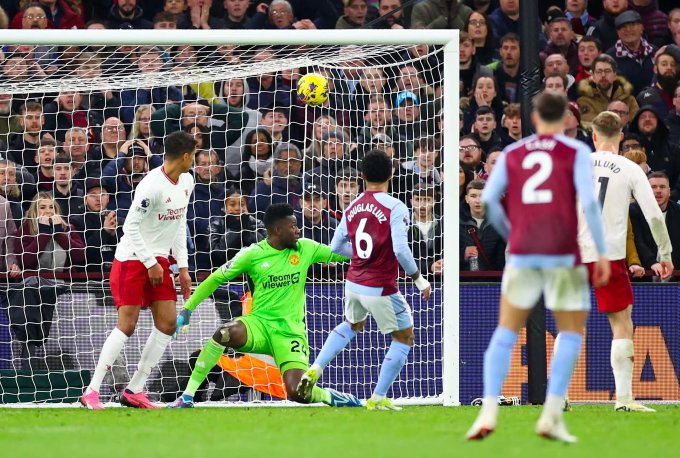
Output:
x=151 y=355
x=110 y=350
x=622 y=365
x=553 y=406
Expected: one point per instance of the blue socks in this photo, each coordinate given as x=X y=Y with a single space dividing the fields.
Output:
x=391 y=366
x=336 y=341
x=564 y=360
x=497 y=361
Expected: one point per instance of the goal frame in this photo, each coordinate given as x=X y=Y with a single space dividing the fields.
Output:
x=448 y=39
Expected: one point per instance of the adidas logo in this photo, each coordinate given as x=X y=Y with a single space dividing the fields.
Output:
x=168 y=201
x=265 y=264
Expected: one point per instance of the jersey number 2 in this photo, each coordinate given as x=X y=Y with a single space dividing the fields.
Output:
x=530 y=193
x=364 y=242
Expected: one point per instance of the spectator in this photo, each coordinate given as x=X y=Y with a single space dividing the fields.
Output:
x=373 y=82
x=673 y=119
x=120 y=177
x=407 y=125
x=572 y=125
x=236 y=14
x=347 y=188
x=67 y=111
x=165 y=20
x=141 y=128
x=100 y=227
x=605 y=28
x=644 y=242
x=233 y=230
x=125 y=14
x=313 y=218
x=602 y=88
x=375 y=118
x=206 y=202
x=485 y=93
x=355 y=14
x=660 y=94
x=556 y=65
x=661 y=155
x=201 y=136
x=17 y=193
x=556 y=84
x=440 y=14
x=589 y=48
x=467 y=63
x=633 y=54
x=63 y=14
x=8 y=261
x=562 y=41
x=478 y=27
x=66 y=192
x=491 y=160
x=621 y=109
x=8 y=122
x=334 y=148
x=465 y=176
x=23 y=146
x=422 y=169
x=426 y=233
x=396 y=20
x=174 y=7
x=654 y=21
x=674 y=26
x=45 y=158
x=275 y=121
x=484 y=129
x=577 y=13
x=512 y=126
x=281 y=184
x=113 y=137
x=197 y=16
x=507 y=72
x=480 y=244
x=256 y=158
x=46 y=241
x=470 y=152
x=75 y=146
x=268 y=89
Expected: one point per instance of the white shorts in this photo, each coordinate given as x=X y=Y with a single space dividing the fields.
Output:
x=565 y=289
x=391 y=313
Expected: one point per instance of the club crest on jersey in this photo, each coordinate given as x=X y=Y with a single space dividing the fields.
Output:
x=294 y=259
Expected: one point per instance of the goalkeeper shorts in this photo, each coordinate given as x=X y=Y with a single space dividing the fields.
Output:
x=289 y=350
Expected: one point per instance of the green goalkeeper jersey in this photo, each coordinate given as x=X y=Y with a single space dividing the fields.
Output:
x=277 y=280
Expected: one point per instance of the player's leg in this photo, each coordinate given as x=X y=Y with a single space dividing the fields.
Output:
x=521 y=290
x=235 y=334
x=337 y=340
x=567 y=294
x=395 y=358
x=164 y=318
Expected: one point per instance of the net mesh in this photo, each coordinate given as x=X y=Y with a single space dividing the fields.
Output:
x=108 y=109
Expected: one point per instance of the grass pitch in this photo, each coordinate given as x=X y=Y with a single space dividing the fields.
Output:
x=327 y=433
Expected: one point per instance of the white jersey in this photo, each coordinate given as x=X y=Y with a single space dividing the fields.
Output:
x=156 y=222
x=617 y=179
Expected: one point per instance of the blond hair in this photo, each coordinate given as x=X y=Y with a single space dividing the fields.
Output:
x=32 y=212
x=607 y=125
x=636 y=155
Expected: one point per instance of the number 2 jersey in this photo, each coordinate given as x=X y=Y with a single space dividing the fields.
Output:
x=617 y=179
x=531 y=199
x=376 y=225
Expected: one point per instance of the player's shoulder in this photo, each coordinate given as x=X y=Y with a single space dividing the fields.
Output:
x=306 y=244
x=389 y=201
x=187 y=178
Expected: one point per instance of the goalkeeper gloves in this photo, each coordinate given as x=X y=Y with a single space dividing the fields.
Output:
x=183 y=318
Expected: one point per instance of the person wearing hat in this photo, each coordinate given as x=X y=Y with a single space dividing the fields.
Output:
x=313 y=217
x=604 y=29
x=99 y=227
x=572 y=125
x=654 y=21
x=633 y=54
x=561 y=39
x=406 y=122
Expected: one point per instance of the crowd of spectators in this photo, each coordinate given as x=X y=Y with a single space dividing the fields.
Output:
x=70 y=161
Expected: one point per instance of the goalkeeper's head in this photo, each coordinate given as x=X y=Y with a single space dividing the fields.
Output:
x=281 y=225
x=180 y=149
x=376 y=168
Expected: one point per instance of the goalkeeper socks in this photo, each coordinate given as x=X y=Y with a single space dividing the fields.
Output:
x=497 y=361
x=564 y=360
x=151 y=355
x=391 y=366
x=320 y=395
x=622 y=365
x=207 y=359
x=336 y=341
x=110 y=351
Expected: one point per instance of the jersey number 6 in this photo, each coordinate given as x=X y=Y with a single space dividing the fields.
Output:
x=364 y=242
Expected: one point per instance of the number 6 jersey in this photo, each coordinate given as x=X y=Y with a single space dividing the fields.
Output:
x=539 y=179
x=376 y=224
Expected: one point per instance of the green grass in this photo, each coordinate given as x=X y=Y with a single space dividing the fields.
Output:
x=326 y=432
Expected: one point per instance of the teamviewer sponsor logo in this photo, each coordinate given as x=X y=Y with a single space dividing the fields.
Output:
x=279 y=281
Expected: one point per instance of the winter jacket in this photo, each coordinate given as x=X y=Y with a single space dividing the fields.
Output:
x=8 y=231
x=659 y=99
x=440 y=14
x=427 y=250
x=492 y=243
x=644 y=242
x=229 y=233
x=604 y=30
x=100 y=245
x=65 y=18
x=282 y=190
x=638 y=74
x=31 y=248
x=673 y=124
x=571 y=56
x=205 y=203
x=654 y=21
x=116 y=21
x=592 y=101
x=115 y=181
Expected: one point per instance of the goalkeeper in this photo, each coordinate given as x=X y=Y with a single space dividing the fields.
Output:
x=276 y=270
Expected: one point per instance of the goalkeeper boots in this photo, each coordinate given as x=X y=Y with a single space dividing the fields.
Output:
x=339 y=399
x=90 y=399
x=182 y=402
x=137 y=400
x=307 y=382
x=632 y=407
x=383 y=404
x=554 y=428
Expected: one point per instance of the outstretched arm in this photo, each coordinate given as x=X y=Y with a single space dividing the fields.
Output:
x=341 y=243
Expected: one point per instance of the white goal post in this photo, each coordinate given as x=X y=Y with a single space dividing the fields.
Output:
x=353 y=44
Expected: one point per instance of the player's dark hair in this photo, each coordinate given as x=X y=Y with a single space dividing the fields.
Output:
x=179 y=143
x=550 y=107
x=275 y=213
x=377 y=166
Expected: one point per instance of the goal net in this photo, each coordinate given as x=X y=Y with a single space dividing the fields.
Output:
x=86 y=120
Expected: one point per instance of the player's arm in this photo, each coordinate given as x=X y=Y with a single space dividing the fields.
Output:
x=399 y=224
x=144 y=202
x=493 y=192
x=322 y=253
x=657 y=224
x=341 y=243
x=583 y=182
x=181 y=254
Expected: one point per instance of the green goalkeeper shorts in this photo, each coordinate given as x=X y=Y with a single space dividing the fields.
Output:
x=290 y=351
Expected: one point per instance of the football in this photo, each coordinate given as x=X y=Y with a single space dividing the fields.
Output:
x=312 y=89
